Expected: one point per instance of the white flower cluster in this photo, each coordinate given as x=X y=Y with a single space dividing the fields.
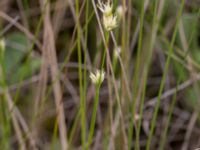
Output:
x=120 y=11
x=97 y=77
x=109 y=19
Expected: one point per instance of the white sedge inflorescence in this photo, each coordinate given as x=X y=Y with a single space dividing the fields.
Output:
x=106 y=8
x=109 y=19
x=110 y=22
x=97 y=77
x=120 y=11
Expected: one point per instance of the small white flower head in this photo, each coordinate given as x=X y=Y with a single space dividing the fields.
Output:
x=109 y=19
x=2 y=45
x=97 y=77
x=110 y=22
x=120 y=11
x=106 y=8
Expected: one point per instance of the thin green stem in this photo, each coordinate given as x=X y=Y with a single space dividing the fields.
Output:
x=93 y=118
x=82 y=102
x=153 y=122
x=4 y=114
x=83 y=114
x=164 y=135
x=76 y=121
x=136 y=75
x=155 y=24
x=96 y=101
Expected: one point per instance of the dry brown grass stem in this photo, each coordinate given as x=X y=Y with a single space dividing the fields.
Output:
x=50 y=50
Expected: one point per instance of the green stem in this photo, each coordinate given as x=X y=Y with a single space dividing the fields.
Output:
x=4 y=113
x=153 y=122
x=96 y=101
x=135 y=80
x=82 y=102
x=164 y=135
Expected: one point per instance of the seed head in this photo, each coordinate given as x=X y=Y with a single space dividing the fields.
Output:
x=97 y=77
x=110 y=22
x=120 y=11
x=106 y=8
x=109 y=19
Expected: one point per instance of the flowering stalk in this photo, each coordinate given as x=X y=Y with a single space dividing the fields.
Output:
x=97 y=79
x=109 y=19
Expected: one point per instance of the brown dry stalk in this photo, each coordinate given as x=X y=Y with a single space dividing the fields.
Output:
x=42 y=85
x=25 y=127
x=14 y=121
x=49 y=42
x=171 y=92
x=59 y=16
